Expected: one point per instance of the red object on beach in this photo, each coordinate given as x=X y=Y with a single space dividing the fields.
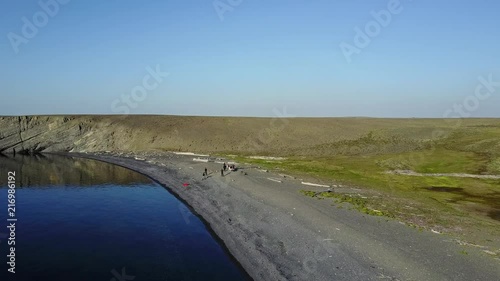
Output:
x=185 y=184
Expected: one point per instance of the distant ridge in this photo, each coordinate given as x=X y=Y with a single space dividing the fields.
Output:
x=243 y=135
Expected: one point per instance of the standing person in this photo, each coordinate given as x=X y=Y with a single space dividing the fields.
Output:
x=206 y=172
x=222 y=172
x=224 y=166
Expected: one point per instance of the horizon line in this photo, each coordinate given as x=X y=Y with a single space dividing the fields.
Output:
x=229 y=116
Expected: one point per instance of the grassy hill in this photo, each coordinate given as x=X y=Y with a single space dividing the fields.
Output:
x=291 y=136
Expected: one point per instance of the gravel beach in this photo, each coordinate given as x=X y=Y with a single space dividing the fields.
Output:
x=277 y=233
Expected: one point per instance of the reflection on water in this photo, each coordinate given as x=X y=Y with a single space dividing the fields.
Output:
x=87 y=220
x=54 y=170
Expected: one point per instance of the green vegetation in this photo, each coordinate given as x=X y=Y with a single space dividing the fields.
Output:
x=455 y=204
x=494 y=166
x=359 y=203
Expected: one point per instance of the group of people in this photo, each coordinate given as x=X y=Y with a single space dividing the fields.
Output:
x=225 y=167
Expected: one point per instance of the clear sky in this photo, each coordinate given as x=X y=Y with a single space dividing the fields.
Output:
x=250 y=57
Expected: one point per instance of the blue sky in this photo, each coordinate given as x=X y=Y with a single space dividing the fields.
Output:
x=253 y=58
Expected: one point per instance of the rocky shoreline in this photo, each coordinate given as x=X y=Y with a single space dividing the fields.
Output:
x=276 y=233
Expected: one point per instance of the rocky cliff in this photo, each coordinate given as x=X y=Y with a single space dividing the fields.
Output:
x=35 y=134
x=32 y=134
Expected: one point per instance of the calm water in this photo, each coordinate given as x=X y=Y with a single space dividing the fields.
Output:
x=86 y=220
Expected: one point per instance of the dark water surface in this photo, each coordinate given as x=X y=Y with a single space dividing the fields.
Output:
x=81 y=219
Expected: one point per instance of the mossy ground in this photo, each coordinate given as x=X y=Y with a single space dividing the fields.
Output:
x=454 y=204
x=359 y=203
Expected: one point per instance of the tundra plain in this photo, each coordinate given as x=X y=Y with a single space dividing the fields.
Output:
x=439 y=175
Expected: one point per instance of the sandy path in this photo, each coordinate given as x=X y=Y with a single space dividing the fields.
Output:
x=278 y=234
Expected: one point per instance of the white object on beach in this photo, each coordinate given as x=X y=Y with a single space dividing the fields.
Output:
x=200 y=159
x=191 y=154
x=275 y=180
x=315 y=184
